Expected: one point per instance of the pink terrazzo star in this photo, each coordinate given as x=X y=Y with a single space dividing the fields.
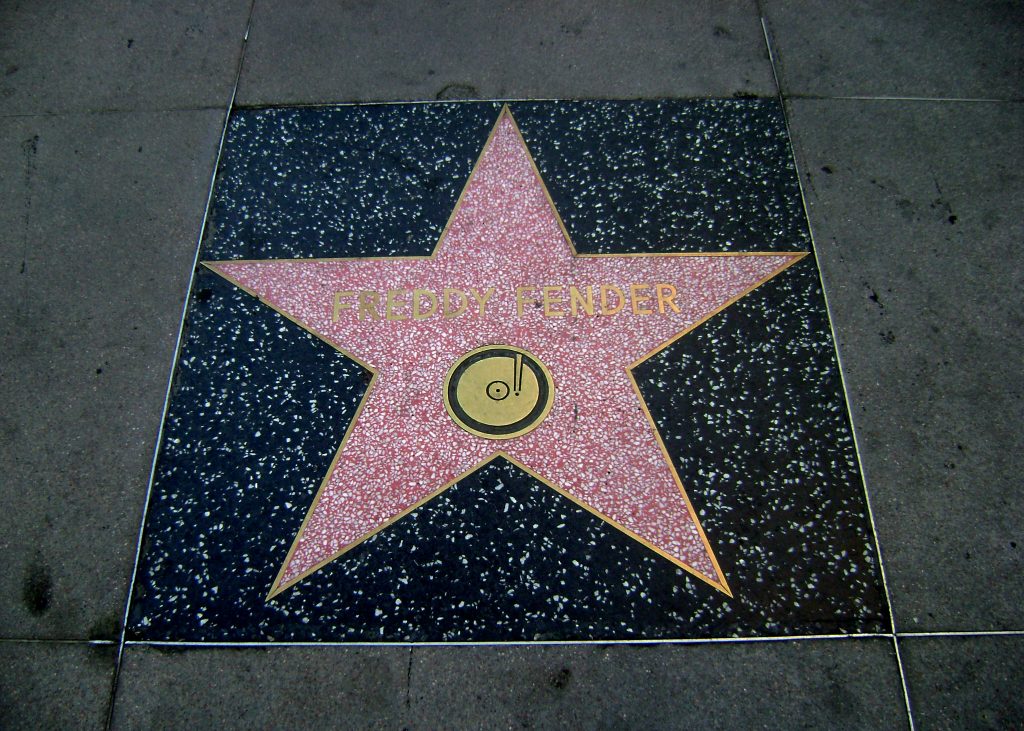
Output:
x=598 y=445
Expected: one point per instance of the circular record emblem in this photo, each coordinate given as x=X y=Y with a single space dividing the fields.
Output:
x=498 y=392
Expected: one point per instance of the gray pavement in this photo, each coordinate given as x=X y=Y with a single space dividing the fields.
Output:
x=907 y=124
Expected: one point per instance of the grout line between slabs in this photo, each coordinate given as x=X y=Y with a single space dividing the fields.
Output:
x=113 y=110
x=496 y=100
x=516 y=643
x=173 y=367
x=482 y=100
x=883 y=98
x=502 y=643
x=44 y=641
x=842 y=378
x=965 y=633
x=950 y=634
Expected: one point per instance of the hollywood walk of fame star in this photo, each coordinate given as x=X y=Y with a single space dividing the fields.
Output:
x=505 y=275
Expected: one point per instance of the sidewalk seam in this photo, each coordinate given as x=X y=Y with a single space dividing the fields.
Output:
x=842 y=378
x=173 y=368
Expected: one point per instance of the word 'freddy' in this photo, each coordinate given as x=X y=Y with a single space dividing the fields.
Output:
x=551 y=301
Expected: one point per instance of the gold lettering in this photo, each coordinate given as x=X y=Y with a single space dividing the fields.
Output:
x=339 y=305
x=521 y=299
x=417 y=313
x=577 y=300
x=605 y=308
x=666 y=295
x=636 y=299
x=368 y=304
x=447 y=299
x=481 y=299
x=392 y=303
x=550 y=298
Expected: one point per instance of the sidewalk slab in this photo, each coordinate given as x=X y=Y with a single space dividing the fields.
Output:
x=105 y=214
x=338 y=52
x=849 y=684
x=50 y=685
x=295 y=688
x=915 y=212
x=115 y=55
x=964 y=682
x=909 y=49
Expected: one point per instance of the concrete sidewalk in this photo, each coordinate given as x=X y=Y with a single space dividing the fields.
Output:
x=907 y=126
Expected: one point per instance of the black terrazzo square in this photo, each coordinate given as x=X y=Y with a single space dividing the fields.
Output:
x=749 y=404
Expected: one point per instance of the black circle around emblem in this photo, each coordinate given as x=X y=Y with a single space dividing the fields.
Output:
x=499 y=390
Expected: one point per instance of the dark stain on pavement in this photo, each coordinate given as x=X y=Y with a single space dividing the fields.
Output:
x=458 y=91
x=37 y=589
x=560 y=679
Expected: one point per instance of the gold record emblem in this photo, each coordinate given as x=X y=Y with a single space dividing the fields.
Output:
x=498 y=392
